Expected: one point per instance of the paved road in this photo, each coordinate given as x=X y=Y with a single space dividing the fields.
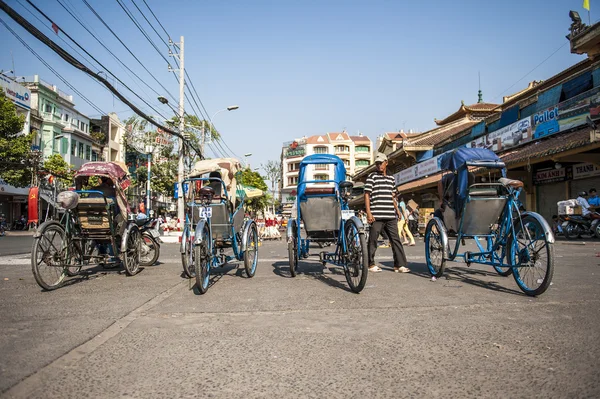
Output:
x=471 y=334
x=14 y=243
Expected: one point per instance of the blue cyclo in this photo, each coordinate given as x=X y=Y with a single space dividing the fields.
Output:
x=515 y=242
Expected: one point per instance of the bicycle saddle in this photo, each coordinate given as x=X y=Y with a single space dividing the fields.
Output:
x=511 y=182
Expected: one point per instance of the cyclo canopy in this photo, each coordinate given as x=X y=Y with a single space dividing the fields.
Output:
x=458 y=161
x=339 y=170
x=227 y=167
x=116 y=171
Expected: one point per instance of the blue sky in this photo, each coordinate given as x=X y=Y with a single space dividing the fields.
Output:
x=309 y=67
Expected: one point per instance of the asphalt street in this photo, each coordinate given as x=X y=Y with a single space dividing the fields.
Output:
x=471 y=333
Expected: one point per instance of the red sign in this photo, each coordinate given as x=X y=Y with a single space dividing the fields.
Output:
x=32 y=208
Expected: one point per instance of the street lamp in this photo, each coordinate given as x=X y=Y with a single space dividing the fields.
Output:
x=210 y=124
x=246 y=159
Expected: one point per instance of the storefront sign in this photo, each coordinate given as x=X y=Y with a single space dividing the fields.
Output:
x=502 y=139
x=550 y=175
x=18 y=94
x=295 y=150
x=7 y=189
x=417 y=171
x=288 y=197
x=583 y=170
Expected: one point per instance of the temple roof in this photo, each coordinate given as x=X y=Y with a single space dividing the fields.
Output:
x=530 y=86
x=482 y=109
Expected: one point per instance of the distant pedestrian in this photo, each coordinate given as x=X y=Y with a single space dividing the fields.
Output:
x=403 y=224
x=382 y=214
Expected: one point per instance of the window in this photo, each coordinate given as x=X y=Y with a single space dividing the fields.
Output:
x=73 y=147
x=321 y=166
x=342 y=148
x=320 y=150
x=94 y=156
x=321 y=177
x=293 y=167
x=66 y=117
x=292 y=181
x=80 y=153
x=346 y=163
x=48 y=108
x=362 y=163
x=64 y=145
x=362 y=148
x=88 y=152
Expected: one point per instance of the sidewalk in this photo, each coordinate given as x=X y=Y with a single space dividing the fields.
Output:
x=172 y=237
x=19 y=233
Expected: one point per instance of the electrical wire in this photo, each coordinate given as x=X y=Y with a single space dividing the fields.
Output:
x=109 y=51
x=77 y=64
x=65 y=81
x=93 y=58
x=127 y=48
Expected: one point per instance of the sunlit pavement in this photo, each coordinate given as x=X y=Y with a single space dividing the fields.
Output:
x=471 y=333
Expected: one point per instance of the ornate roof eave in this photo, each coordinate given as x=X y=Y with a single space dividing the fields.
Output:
x=465 y=110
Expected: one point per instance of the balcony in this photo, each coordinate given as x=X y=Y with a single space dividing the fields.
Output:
x=362 y=155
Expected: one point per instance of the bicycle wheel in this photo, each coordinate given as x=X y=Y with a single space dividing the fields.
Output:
x=251 y=253
x=499 y=256
x=48 y=257
x=434 y=248
x=74 y=258
x=187 y=256
x=356 y=257
x=293 y=251
x=532 y=256
x=149 y=250
x=202 y=259
x=131 y=256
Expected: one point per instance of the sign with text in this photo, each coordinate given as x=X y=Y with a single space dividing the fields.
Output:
x=550 y=175
x=17 y=93
x=417 y=171
x=583 y=170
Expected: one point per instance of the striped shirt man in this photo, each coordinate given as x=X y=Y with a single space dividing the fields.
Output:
x=380 y=188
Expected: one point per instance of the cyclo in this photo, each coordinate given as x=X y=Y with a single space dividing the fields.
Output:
x=93 y=229
x=322 y=206
x=521 y=243
x=215 y=220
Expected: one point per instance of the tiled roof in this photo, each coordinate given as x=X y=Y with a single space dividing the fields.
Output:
x=442 y=133
x=315 y=139
x=398 y=136
x=334 y=136
x=466 y=110
x=361 y=139
x=549 y=146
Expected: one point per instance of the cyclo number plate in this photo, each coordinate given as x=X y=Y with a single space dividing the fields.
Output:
x=94 y=219
x=347 y=214
x=205 y=213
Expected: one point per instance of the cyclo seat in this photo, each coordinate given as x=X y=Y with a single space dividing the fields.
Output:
x=511 y=182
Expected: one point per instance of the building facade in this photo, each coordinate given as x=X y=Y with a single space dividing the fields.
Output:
x=112 y=149
x=64 y=130
x=355 y=151
x=12 y=199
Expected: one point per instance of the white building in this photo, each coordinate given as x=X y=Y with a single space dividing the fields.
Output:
x=355 y=151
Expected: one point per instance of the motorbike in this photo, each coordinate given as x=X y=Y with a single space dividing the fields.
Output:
x=575 y=226
x=150 y=248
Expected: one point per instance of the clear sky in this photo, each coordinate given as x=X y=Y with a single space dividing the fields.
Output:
x=309 y=67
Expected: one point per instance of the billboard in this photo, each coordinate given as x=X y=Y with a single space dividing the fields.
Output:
x=507 y=137
x=18 y=94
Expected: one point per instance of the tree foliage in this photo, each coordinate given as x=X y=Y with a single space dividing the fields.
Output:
x=56 y=166
x=251 y=178
x=16 y=158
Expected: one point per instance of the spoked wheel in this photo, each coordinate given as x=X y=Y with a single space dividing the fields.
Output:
x=571 y=232
x=202 y=259
x=356 y=257
x=251 y=253
x=131 y=256
x=48 y=257
x=499 y=257
x=149 y=250
x=75 y=258
x=187 y=256
x=293 y=251
x=532 y=256
x=434 y=247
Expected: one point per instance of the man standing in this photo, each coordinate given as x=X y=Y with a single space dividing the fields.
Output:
x=382 y=214
x=593 y=199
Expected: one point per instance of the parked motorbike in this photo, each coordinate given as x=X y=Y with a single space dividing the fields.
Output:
x=575 y=226
x=150 y=248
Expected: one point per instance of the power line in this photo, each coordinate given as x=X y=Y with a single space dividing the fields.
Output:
x=127 y=48
x=152 y=26
x=538 y=65
x=65 y=81
x=92 y=57
x=109 y=51
x=77 y=64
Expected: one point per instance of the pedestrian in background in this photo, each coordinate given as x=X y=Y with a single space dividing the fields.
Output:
x=403 y=225
x=383 y=214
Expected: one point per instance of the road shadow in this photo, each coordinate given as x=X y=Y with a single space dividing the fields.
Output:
x=466 y=275
x=89 y=273
x=314 y=270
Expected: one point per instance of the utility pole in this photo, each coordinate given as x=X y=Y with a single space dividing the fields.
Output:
x=180 y=171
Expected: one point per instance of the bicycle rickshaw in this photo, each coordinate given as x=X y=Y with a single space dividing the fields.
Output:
x=93 y=229
x=515 y=242
x=215 y=220
x=322 y=206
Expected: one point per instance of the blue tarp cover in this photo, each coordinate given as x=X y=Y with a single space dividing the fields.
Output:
x=339 y=169
x=456 y=162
